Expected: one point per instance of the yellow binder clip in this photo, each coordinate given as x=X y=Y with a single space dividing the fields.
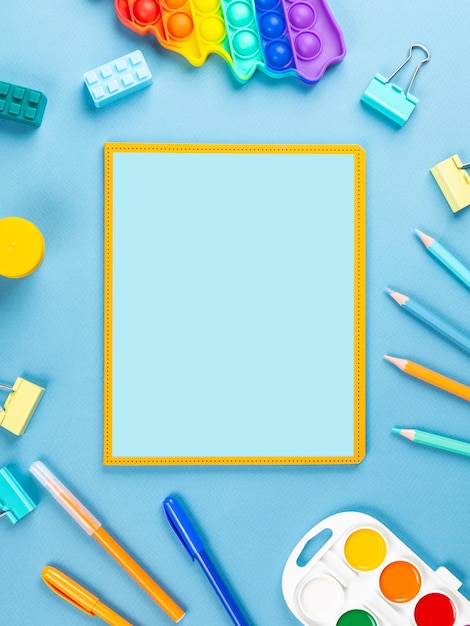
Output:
x=20 y=405
x=453 y=181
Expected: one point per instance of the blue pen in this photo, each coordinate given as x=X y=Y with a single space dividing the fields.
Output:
x=192 y=542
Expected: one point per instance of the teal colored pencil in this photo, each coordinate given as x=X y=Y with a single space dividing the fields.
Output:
x=434 y=441
x=447 y=259
x=444 y=328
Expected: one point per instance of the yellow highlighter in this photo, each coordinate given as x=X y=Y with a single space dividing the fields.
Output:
x=77 y=595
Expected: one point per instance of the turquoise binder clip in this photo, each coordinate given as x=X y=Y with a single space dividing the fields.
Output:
x=15 y=503
x=390 y=99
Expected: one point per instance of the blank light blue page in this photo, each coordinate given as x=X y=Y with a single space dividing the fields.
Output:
x=233 y=305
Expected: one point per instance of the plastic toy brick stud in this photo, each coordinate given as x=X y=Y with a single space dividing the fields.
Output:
x=15 y=502
x=453 y=181
x=20 y=405
x=20 y=104
x=118 y=78
x=390 y=99
x=21 y=247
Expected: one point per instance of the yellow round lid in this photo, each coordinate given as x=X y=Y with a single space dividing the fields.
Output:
x=21 y=247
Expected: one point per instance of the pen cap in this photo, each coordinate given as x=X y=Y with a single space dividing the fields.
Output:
x=69 y=590
x=63 y=496
x=182 y=526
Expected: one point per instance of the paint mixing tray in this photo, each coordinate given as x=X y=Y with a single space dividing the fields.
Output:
x=363 y=575
x=280 y=37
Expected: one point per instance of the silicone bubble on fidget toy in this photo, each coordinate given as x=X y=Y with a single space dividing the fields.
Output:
x=280 y=37
x=363 y=575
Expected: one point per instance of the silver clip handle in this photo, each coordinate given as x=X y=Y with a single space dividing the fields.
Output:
x=408 y=58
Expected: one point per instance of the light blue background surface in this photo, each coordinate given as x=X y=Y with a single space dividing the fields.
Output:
x=233 y=305
x=51 y=322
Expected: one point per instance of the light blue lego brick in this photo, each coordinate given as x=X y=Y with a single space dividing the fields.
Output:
x=389 y=99
x=118 y=78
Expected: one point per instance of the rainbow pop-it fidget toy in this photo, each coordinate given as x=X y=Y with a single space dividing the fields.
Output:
x=280 y=37
x=363 y=575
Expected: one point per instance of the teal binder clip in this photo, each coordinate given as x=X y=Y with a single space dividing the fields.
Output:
x=390 y=99
x=15 y=503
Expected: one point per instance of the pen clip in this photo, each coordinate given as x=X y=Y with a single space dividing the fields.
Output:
x=182 y=527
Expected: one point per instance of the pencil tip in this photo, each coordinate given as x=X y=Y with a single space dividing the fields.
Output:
x=400 y=363
x=408 y=433
x=398 y=297
x=425 y=239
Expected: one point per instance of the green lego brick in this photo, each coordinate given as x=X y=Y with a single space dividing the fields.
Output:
x=20 y=104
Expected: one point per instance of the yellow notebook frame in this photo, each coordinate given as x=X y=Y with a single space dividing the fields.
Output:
x=359 y=400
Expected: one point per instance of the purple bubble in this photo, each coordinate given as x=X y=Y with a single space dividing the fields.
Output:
x=307 y=45
x=278 y=55
x=272 y=25
x=302 y=16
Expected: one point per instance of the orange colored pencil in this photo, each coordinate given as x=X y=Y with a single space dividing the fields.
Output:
x=431 y=377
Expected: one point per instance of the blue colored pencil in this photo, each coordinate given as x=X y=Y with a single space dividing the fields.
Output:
x=448 y=260
x=443 y=327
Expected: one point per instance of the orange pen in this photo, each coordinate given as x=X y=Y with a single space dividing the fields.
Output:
x=80 y=597
x=95 y=529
